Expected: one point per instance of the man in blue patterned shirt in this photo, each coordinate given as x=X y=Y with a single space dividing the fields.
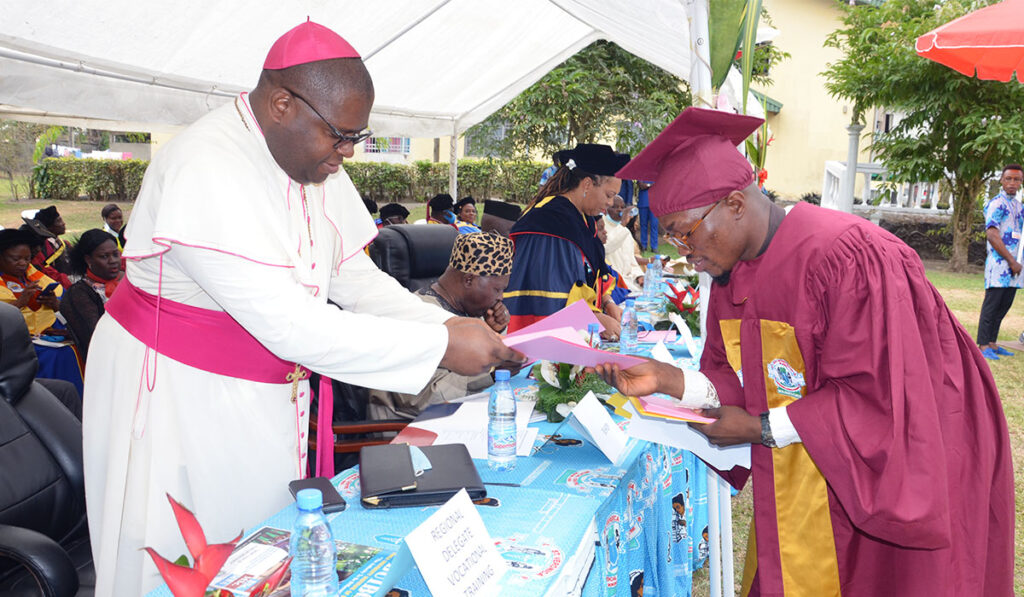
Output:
x=1004 y=220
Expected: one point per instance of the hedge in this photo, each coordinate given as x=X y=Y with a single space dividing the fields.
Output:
x=508 y=180
x=119 y=180
x=97 y=180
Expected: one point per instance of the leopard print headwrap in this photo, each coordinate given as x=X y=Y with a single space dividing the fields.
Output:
x=482 y=254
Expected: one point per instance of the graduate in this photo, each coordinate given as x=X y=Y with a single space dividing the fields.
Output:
x=880 y=455
x=559 y=258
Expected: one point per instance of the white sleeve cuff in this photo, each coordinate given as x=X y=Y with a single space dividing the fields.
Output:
x=698 y=391
x=783 y=431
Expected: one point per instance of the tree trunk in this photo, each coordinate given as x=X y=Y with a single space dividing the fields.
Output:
x=962 y=224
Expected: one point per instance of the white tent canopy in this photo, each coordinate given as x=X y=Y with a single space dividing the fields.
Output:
x=439 y=66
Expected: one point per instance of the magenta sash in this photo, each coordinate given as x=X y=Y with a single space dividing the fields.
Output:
x=214 y=342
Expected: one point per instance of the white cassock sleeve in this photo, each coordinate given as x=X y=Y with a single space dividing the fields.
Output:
x=362 y=287
x=351 y=346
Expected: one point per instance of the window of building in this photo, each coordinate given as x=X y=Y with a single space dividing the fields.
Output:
x=387 y=145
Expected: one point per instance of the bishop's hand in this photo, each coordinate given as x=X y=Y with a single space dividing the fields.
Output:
x=473 y=347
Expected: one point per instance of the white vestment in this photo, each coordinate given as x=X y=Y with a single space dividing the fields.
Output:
x=619 y=252
x=219 y=225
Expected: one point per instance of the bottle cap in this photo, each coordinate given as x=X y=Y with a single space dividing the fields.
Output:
x=309 y=499
x=501 y=375
x=592 y=328
x=630 y=302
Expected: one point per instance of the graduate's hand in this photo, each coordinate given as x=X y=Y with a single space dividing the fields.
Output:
x=1015 y=267
x=638 y=380
x=473 y=348
x=497 y=317
x=734 y=426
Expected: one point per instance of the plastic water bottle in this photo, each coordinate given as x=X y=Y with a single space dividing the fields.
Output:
x=501 y=424
x=628 y=341
x=652 y=278
x=314 y=554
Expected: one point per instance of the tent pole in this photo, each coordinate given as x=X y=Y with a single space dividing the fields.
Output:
x=453 y=163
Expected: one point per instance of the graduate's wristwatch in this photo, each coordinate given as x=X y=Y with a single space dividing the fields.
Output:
x=766 y=432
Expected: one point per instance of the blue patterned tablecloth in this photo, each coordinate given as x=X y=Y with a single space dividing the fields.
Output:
x=643 y=519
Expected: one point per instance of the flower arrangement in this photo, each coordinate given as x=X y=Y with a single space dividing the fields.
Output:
x=186 y=581
x=561 y=383
x=685 y=302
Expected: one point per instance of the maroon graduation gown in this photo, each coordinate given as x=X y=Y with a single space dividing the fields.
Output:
x=903 y=482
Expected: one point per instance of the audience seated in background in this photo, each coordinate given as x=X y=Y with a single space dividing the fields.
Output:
x=97 y=259
x=52 y=259
x=439 y=209
x=499 y=216
x=471 y=286
x=621 y=250
x=465 y=214
x=621 y=290
x=371 y=206
x=393 y=214
x=113 y=223
x=25 y=287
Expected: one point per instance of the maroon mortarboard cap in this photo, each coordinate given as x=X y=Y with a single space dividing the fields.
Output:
x=309 y=42
x=694 y=161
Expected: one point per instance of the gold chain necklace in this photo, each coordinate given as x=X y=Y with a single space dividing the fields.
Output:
x=239 y=110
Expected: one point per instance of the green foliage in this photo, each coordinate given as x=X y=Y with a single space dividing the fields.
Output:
x=549 y=397
x=66 y=179
x=957 y=128
x=381 y=181
x=47 y=138
x=602 y=92
x=385 y=183
x=725 y=22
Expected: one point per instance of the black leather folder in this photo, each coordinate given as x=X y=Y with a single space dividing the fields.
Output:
x=387 y=479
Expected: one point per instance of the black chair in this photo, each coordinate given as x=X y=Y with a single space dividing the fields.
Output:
x=415 y=255
x=44 y=536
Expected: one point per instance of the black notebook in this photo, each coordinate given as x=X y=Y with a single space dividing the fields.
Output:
x=387 y=479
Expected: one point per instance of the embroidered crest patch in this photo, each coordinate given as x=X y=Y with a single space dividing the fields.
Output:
x=787 y=379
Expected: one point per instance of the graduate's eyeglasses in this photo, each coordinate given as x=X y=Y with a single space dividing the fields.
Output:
x=340 y=136
x=683 y=242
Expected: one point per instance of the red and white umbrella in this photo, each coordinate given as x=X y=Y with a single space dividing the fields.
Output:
x=989 y=41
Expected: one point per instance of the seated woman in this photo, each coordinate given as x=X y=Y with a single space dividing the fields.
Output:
x=52 y=258
x=97 y=259
x=25 y=287
x=558 y=257
x=113 y=222
x=465 y=214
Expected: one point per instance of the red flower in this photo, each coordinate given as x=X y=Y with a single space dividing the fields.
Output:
x=762 y=176
x=207 y=559
x=679 y=300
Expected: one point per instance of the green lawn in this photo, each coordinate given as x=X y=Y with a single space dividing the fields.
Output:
x=78 y=215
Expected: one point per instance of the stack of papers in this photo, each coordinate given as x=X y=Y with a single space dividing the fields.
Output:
x=657 y=407
x=558 y=338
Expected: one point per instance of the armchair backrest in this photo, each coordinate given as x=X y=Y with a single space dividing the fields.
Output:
x=415 y=255
x=41 y=482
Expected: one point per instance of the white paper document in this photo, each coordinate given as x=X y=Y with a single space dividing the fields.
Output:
x=593 y=422
x=681 y=435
